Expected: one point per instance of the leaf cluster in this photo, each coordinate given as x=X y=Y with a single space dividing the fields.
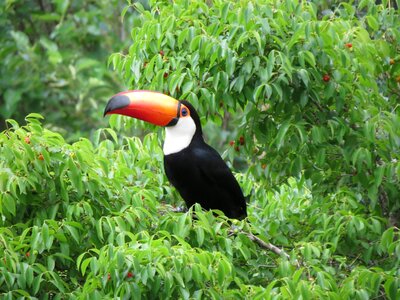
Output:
x=314 y=94
x=310 y=91
x=90 y=220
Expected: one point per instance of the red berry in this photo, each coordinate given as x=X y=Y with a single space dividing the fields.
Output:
x=231 y=143
x=40 y=157
x=108 y=276
x=326 y=78
x=161 y=53
x=166 y=75
x=349 y=45
x=27 y=140
x=129 y=275
x=28 y=254
x=241 y=140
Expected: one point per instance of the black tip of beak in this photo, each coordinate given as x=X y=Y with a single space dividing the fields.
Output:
x=116 y=102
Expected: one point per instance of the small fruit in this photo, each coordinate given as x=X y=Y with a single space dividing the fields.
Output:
x=349 y=45
x=231 y=143
x=166 y=75
x=129 y=275
x=326 y=78
x=237 y=149
x=161 y=53
x=263 y=166
x=28 y=254
x=241 y=140
x=27 y=140
x=391 y=61
x=108 y=277
x=40 y=157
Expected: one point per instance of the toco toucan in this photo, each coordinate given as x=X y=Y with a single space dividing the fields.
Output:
x=193 y=167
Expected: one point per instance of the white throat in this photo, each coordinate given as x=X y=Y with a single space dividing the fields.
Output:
x=179 y=136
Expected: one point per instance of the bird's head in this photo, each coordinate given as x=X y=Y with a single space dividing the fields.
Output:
x=179 y=117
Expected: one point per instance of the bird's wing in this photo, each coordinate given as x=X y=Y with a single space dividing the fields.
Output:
x=218 y=174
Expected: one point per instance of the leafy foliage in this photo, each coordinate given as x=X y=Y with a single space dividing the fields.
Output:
x=310 y=98
x=89 y=220
x=319 y=95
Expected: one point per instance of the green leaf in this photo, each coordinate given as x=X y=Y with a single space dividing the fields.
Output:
x=387 y=238
x=37 y=280
x=33 y=116
x=258 y=39
x=224 y=11
x=85 y=264
x=8 y=204
x=74 y=233
x=200 y=235
x=270 y=65
x=391 y=288
x=112 y=133
x=304 y=76
x=45 y=234
x=258 y=91
x=230 y=64
x=283 y=128
x=28 y=274
x=372 y=22
x=183 y=35
x=195 y=43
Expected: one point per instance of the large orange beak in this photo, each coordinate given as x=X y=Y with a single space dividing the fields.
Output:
x=152 y=107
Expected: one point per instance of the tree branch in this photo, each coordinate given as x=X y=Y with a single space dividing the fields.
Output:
x=268 y=246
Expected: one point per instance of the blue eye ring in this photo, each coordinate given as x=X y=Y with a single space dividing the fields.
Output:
x=184 y=112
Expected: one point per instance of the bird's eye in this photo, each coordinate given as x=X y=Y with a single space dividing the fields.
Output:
x=184 y=112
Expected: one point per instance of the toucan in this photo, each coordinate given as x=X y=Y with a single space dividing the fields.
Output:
x=193 y=167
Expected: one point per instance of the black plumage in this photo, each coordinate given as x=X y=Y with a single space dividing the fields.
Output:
x=201 y=176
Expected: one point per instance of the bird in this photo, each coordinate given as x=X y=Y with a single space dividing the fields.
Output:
x=193 y=167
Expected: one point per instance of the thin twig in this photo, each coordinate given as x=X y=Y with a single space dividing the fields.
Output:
x=265 y=245
x=269 y=246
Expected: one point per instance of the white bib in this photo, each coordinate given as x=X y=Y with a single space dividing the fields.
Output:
x=179 y=136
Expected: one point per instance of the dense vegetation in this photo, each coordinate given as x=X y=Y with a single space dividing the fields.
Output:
x=302 y=98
